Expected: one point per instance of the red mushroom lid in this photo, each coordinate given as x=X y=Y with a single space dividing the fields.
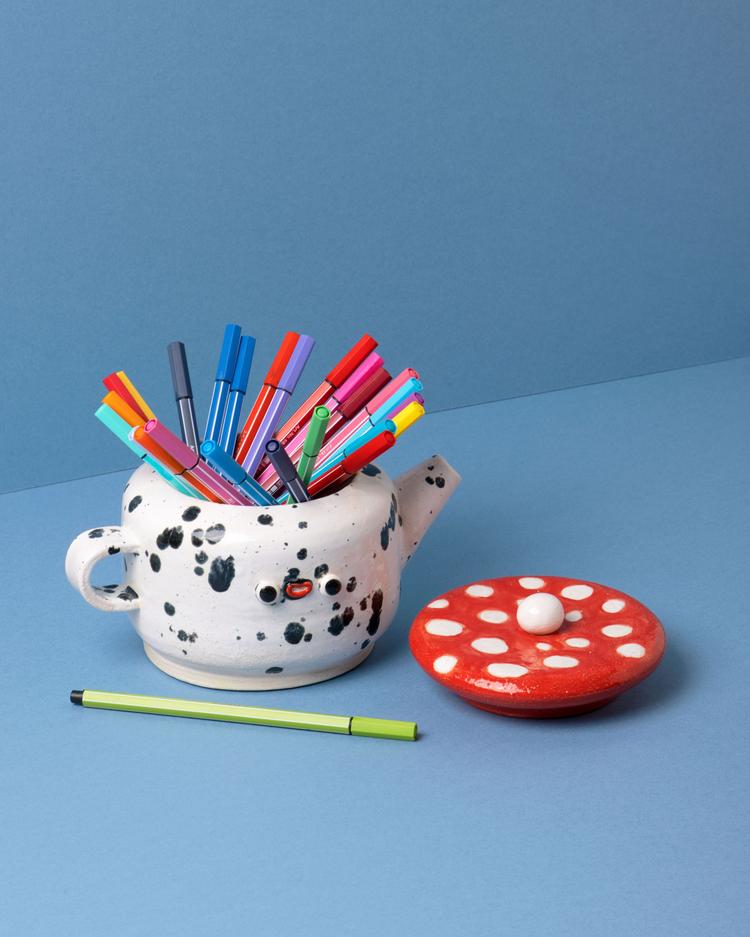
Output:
x=579 y=644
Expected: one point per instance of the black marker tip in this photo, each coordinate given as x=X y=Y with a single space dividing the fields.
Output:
x=76 y=696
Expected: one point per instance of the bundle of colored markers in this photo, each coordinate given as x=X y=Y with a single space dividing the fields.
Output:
x=354 y=415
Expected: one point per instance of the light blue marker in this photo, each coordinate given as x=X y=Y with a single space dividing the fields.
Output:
x=230 y=347
x=114 y=422
x=228 y=435
x=225 y=464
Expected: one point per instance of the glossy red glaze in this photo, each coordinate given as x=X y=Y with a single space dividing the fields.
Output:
x=531 y=687
x=298 y=588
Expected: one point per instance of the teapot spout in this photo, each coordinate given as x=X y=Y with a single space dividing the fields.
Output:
x=422 y=494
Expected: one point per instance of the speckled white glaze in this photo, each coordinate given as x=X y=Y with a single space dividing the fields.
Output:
x=193 y=571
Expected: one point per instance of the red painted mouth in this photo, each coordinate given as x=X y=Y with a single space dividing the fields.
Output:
x=298 y=588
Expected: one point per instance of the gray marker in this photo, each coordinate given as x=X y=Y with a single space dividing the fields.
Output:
x=183 y=393
x=286 y=470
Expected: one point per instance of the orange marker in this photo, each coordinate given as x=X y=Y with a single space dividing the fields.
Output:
x=112 y=382
x=123 y=409
x=143 y=439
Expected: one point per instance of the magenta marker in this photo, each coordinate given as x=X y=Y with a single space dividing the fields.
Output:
x=192 y=463
x=279 y=400
x=372 y=363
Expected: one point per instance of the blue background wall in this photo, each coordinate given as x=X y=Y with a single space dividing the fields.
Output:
x=514 y=197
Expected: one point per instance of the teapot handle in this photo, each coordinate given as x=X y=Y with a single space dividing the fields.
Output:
x=85 y=552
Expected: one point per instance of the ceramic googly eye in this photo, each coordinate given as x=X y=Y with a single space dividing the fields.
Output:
x=267 y=593
x=331 y=585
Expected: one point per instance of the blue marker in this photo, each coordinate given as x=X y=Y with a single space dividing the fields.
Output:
x=355 y=443
x=228 y=434
x=224 y=463
x=113 y=421
x=224 y=374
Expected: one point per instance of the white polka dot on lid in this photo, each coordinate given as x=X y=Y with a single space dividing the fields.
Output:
x=559 y=661
x=530 y=582
x=479 y=591
x=439 y=603
x=543 y=646
x=574 y=616
x=616 y=631
x=578 y=591
x=443 y=627
x=493 y=615
x=444 y=664
x=613 y=606
x=631 y=650
x=577 y=642
x=507 y=670
x=490 y=645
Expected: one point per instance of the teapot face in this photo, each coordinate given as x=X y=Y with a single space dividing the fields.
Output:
x=245 y=597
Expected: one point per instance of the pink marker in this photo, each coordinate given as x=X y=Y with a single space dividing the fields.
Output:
x=192 y=463
x=340 y=439
x=268 y=477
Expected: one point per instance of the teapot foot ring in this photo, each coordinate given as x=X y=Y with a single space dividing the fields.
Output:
x=223 y=681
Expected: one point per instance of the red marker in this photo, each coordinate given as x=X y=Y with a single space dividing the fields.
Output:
x=343 y=471
x=265 y=397
x=112 y=382
x=333 y=380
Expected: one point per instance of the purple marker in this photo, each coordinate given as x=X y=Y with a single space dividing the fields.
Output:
x=412 y=398
x=279 y=400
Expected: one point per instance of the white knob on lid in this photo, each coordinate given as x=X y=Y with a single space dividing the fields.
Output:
x=540 y=613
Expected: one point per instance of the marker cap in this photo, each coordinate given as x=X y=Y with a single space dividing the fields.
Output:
x=179 y=368
x=213 y=452
x=351 y=361
x=371 y=450
x=297 y=362
x=228 y=356
x=171 y=444
x=281 y=461
x=279 y=363
x=116 y=403
x=372 y=363
x=316 y=431
x=383 y=728
x=360 y=397
x=244 y=362
x=390 y=389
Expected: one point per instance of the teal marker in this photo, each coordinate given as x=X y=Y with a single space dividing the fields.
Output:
x=114 y=422
x=252 y=715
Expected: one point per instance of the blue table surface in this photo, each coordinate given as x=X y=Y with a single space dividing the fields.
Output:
x=629 y=821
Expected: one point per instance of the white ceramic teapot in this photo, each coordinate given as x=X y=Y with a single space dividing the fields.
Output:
x=246 y=598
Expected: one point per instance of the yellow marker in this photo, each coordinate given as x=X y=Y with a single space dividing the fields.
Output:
x=136 y=396
x=116 y=403
x=408 y=417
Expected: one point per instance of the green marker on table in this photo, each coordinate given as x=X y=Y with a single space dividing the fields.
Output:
x=253 y=715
